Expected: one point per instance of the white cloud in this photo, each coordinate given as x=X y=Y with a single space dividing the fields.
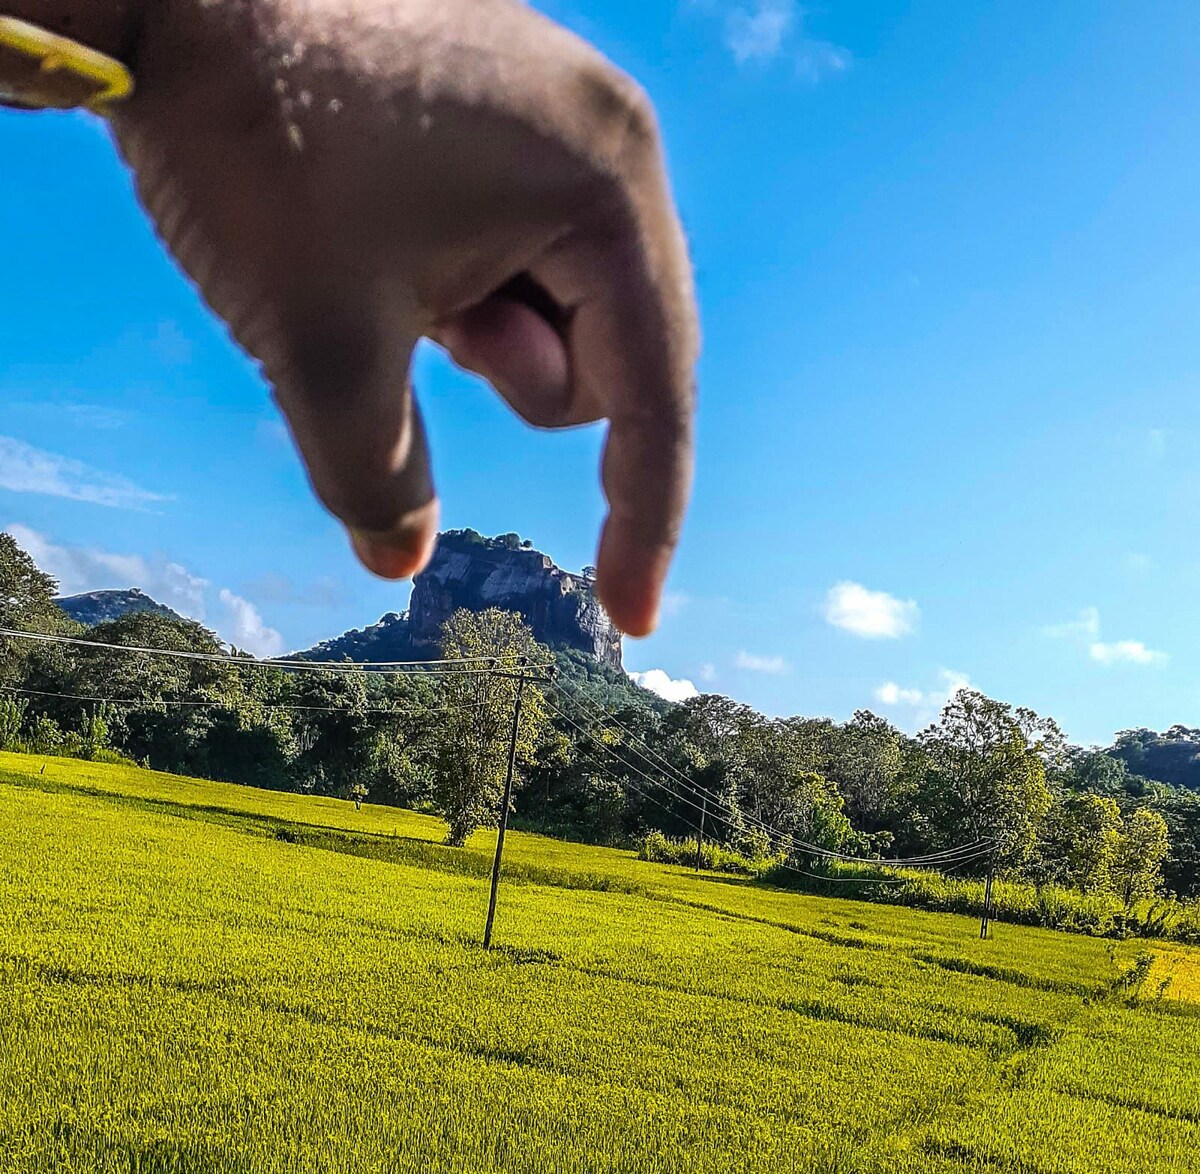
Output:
x=80 y=569
x=1138 y=564
x=818 y=59
x=25 y=469
x=1126 y=652
x=759 y=34
x=892 y=694
x=922 y=706
x=659 y=682
x=1086 y=632
x=774 y=665
x=1086 y=626
x=874 y=615
x=708 y=672
x=245 y=628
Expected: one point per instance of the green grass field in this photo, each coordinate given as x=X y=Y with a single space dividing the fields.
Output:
x=203 y=977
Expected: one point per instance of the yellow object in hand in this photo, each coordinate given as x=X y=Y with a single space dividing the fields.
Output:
x=42 y=70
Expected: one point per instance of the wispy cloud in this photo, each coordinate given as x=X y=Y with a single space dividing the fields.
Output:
x=874 y=615
x=708 y=672
x=889 y=693
x=920 y=706
x=1085 y=632
x=244 y=626
x=773 y=665
x=759 y=33
x=1086 y=626
x=950 y=681
x=1126 y=652
x=79 y=569
x=25 y=469
x=674 y=602
x=660 y=682
x=85 y=416
x=1156 y=443
x=762 y=32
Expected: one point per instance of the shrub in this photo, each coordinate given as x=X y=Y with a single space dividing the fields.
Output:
x=713 y=857
x=1100 y=914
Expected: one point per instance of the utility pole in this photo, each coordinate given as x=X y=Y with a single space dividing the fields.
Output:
x=987 y=902
x=700 y=831
x=508 y=784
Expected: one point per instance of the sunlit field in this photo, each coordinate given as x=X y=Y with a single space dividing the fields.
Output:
x=195 y=976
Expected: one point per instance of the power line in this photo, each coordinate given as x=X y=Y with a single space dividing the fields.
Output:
x=646 y=795
x=696 y=788
x=464 y=666
x=958 y=853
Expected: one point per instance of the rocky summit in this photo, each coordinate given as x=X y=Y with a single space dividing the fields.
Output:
x=98 y=607
x=471 y=571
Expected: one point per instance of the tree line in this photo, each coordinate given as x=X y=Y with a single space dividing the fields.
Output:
x=599 y=758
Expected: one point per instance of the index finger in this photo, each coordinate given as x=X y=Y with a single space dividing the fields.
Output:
x=634 y=342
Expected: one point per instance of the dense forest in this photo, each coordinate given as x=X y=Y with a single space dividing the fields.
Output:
x=988 y=787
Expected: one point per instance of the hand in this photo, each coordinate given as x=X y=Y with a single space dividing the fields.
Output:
x=344 y=177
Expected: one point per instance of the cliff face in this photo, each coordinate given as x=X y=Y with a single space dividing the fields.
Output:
x=469 y=571
x=473 y=572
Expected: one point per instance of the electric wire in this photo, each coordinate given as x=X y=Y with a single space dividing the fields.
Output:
x=449 y=666
x=963 y=852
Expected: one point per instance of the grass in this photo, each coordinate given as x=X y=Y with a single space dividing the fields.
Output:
x=200 y=977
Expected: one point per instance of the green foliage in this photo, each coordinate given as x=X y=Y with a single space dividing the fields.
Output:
x=713 y=857
x=1080 y=841
x=12 y=721
x=182 y=987
x=984 y=776
x=1098 y=914
x=1137 y=867
x=474 y=731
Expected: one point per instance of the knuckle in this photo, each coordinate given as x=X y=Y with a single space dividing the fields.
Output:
x=615 y=101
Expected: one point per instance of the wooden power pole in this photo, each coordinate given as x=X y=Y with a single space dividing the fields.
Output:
x=700 y=831
x=987 y=904
x=504 y=805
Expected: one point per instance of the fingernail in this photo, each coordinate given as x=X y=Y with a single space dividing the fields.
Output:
x=398 y=555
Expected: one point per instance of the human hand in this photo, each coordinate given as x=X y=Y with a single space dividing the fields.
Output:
x=344 y=177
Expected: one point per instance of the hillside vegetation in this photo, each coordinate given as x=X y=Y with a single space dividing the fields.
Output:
x=198 y=976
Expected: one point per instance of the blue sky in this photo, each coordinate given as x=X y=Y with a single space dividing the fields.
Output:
x=948 y=262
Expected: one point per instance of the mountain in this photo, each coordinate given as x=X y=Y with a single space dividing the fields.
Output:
x=473 y=572
x=97 y=607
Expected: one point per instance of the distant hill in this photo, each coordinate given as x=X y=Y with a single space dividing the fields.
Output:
x=1170 y=757
x=98 y=607
x=473 y=572
x=386 y=640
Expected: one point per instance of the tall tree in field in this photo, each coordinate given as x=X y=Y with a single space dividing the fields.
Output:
x=472 y=738
x=1137 y=870
x=984 y=775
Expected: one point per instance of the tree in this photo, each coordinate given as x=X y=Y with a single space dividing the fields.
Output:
x=12 y=720
x=1080 y=842
x=472 y=738
x=1137 y=868
x=866 y=766
x=984 y=775
x=26 y=604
